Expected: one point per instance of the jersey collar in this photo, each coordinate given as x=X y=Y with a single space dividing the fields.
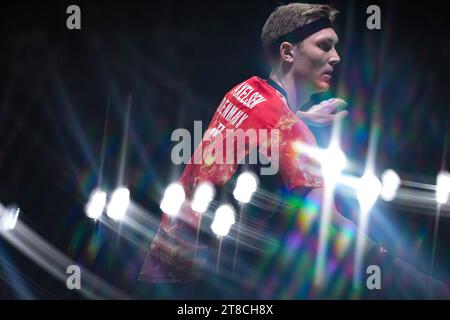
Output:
x=277 y=87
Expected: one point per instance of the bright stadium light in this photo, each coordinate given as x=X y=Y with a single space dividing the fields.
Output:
x=173 y=199
x=368 y=190
x=246 y=185
x=223 y=220
x=442 y=187
x=390 y=182
x=8 y=217
x=333 y=161
x=117 y=207
x=96 y=203
x=202 y=197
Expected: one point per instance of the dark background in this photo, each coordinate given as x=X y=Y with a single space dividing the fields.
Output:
x=176 y=60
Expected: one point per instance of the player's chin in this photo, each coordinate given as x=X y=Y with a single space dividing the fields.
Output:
x=322 y=86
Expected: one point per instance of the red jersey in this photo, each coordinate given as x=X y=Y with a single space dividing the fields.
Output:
x=253 y=106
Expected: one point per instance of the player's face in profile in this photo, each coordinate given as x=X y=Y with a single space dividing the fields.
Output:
x=316 y=56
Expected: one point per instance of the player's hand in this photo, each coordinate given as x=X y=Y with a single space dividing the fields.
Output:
x=324 y=113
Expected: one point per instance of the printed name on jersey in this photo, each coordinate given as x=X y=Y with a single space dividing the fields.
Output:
x=231 y=113
x=245 y=94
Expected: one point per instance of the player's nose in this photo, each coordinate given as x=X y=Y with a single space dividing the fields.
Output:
x=334 y=58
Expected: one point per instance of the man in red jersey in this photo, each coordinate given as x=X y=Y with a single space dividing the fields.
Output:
x=300 y=44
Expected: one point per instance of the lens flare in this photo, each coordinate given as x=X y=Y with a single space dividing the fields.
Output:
x=96 y=204
x=390 y=184
x=173 y=199
x=118 y=205
x=223 y=220
x=202 y=197
x=246 y=185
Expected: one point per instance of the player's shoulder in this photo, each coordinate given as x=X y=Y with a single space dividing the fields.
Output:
x=261 y=101
x=255 y=83
x=258 y=89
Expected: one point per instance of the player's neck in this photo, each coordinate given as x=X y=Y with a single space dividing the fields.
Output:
x=295 y=96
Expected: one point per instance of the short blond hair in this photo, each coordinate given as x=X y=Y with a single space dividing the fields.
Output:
x=287 y=18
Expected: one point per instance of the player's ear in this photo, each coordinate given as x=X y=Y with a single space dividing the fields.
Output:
x=286 y=52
